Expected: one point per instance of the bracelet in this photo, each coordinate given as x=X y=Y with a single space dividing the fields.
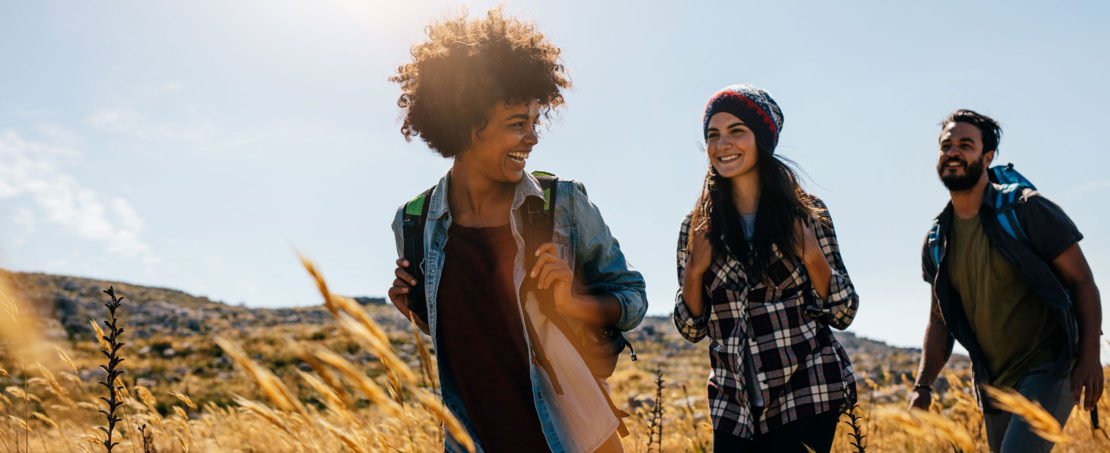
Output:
x=917 y=387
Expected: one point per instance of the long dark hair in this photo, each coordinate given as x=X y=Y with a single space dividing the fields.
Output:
x=781 y=202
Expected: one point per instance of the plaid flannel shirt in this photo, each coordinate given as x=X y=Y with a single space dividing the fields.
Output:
x=784 y=324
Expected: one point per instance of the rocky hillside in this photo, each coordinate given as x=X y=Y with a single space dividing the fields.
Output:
x=67 y=303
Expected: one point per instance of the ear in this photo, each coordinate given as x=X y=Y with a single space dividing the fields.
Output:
x=988 y=157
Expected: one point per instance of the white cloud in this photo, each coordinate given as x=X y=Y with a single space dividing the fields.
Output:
x=28 y=170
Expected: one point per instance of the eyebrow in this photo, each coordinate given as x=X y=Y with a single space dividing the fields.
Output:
x=730 y=126
x=518 y=116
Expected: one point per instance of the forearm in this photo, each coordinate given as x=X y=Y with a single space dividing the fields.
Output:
x=599 y=309
x=934 y=353
x=1088 y=313
x=692 y=294
x=820 y=273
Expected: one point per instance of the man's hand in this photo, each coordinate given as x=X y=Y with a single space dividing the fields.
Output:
x=921 y=398
x=398 y=293
x=1086 y=380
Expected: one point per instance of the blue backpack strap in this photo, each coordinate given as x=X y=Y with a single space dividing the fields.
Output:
x=1006 y=174
x=1006 y=196
x=933 y=243
x=412 y=230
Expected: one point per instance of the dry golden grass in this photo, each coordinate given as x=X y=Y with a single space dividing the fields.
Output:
x=337 y=400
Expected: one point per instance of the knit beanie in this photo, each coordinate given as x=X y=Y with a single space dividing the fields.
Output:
x=753 y=106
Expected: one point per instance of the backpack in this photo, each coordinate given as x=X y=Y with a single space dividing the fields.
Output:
x=600 y=347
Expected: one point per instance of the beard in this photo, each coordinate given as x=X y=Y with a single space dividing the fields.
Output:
x=972 y=172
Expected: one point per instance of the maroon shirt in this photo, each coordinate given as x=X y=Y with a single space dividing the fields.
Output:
x=481 y=338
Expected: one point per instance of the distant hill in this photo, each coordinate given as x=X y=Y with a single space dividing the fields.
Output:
x=67 y=303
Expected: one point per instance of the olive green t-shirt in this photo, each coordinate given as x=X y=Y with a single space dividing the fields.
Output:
x=1014 y=327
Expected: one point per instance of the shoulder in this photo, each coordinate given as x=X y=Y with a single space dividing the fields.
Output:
x=684 y=227
x=572 y=188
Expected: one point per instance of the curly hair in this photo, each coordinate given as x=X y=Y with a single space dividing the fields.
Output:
x=466 y=67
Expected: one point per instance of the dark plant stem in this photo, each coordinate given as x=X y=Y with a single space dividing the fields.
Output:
x=148 y=439
x=857 y=430
x=655 y=426
x=112 y=337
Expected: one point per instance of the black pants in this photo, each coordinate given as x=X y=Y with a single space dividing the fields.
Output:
x=816 y=432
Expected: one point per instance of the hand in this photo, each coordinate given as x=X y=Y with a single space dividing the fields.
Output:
x=398 y=293
x=1086 y=380
x=921 y=398
x=552 y=272
x=806 y=246
x=699 y=252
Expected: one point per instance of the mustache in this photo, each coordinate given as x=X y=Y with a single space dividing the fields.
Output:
x=954 y=159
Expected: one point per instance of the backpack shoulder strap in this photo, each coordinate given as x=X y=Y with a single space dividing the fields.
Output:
x=933 y=243
x=1005 y=199
x=539 y=227
x=412 y=228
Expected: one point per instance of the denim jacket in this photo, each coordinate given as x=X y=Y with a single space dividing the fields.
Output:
x=585 y=243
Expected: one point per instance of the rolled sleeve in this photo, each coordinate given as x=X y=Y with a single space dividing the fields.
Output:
x=839 y=308
x=601 y=263
x=692 y=328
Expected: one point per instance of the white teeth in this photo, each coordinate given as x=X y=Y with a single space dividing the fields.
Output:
x=518 y=156
x=729 y=158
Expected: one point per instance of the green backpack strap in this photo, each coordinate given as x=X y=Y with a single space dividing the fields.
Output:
x=412 y=230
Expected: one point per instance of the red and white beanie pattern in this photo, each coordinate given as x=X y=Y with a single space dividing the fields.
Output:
x=753 y=106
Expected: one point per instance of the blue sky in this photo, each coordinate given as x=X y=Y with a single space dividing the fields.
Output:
x=192 y=145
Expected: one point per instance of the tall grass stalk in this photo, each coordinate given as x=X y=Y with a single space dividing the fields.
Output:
x=111 y=352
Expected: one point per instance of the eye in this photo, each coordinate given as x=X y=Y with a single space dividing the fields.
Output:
x=712 y=135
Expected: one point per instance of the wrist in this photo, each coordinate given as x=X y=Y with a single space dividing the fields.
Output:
x=692 y=278
x=922 y=387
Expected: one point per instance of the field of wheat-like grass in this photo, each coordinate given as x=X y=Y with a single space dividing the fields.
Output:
x=363 y=389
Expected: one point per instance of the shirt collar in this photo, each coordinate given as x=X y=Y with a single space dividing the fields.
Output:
x=528 y=186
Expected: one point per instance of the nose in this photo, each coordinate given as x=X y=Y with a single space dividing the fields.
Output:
x=532 y=137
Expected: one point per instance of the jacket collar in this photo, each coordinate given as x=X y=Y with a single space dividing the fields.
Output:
x=528 y=186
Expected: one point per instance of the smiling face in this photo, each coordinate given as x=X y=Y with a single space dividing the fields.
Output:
x=961 y=163
x=731 y=146
x=499 y=150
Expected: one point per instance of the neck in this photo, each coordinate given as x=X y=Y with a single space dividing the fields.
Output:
x=476 y=200
x=745 y=192
x=966 y=203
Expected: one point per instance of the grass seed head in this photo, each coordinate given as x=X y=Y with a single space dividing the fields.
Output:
x=1039 y=420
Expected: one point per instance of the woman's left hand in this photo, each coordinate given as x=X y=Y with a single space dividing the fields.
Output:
x=553 y=272
x=805 y=242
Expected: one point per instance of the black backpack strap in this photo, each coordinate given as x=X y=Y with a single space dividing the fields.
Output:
x=412 y=227
x=539 y=226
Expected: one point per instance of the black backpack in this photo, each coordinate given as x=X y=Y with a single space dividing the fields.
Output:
x=600 y=347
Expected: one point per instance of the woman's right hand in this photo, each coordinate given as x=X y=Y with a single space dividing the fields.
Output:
x=699 y=253
x=398 y=293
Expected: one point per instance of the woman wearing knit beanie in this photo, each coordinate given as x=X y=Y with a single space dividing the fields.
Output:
x=760 y=273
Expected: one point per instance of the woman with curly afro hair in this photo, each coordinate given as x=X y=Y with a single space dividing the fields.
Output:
x=506 y=305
